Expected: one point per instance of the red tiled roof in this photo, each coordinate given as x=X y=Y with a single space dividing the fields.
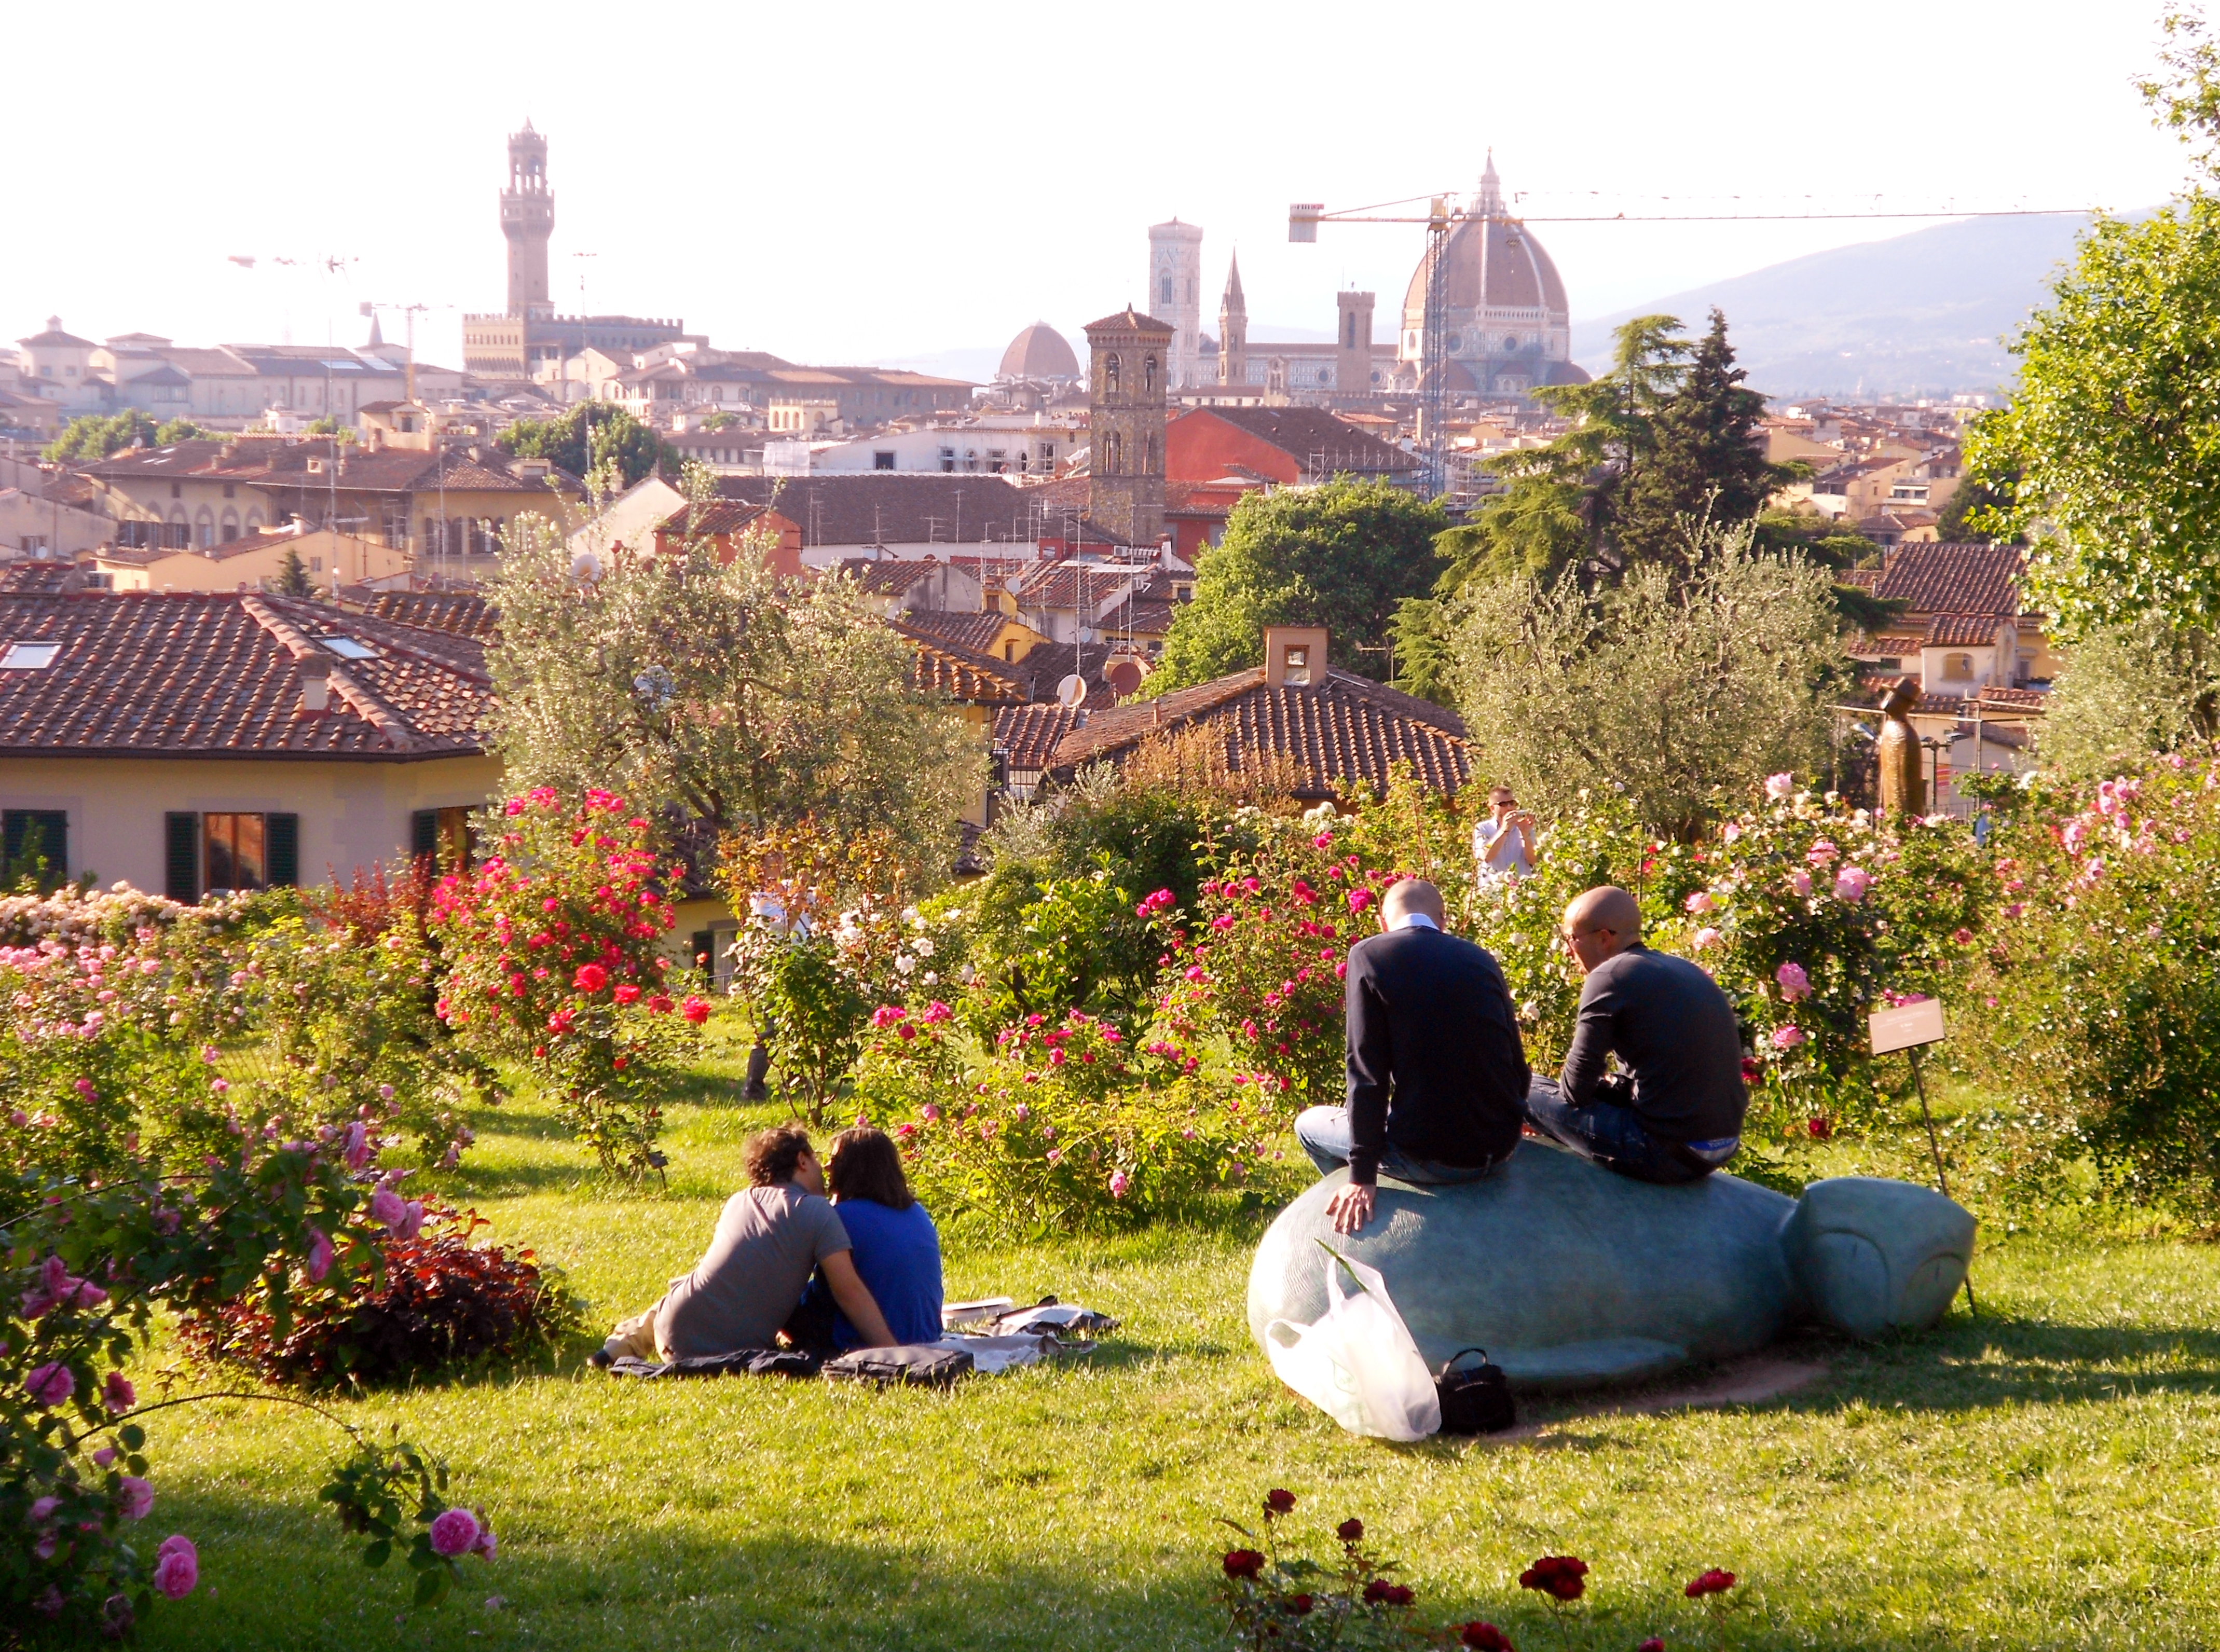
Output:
x=712 y=516
x=1893 y=644
x=201 y=674
x=889 y=577
x=1952 y=577
x=961 y=673
x=2017 y=699
x=973 y=631
x=1028 y=735
x=1321 y=444
x=1347 y=731
x=1962 y=630
x=463 y=613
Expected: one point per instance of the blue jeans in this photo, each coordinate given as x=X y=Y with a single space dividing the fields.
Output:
x=1610 y=1135
x=1324 y=1133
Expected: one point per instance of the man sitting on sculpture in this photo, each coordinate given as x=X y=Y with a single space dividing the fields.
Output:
x=1437 y=1073
x=1675 y=1113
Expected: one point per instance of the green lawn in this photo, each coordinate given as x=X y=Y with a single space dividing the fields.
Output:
x=2046 y=1475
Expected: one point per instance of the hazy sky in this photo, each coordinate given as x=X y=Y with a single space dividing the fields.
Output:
x=881 y=182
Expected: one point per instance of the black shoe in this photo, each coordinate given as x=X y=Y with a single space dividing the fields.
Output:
x=599 y=1359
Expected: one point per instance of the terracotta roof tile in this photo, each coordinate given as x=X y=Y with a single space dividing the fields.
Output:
x=1963 y=630
x=973 y=631
x=1028 y=735
x=1952 y=577
x=893 y=508
x=961 y=673
x=215 y=674
x=1347 y=731
x=1319 y=443
x=463 y=613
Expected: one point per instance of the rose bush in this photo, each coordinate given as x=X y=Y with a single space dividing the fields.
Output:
x=553 y=961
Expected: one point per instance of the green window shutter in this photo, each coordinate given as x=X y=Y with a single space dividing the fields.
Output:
x=424 y=834
x=281 y=844
x=182 y=857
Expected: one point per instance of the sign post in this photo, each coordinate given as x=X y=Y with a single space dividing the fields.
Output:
x=1911 y=1027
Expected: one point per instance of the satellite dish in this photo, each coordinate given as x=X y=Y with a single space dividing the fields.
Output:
x=586 y=567
x=1126 y=675
x=1071 y=693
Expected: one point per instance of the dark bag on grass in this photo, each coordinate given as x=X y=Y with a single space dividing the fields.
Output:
x=913 y=1364
x=741 y=1362
x=1477 y=1401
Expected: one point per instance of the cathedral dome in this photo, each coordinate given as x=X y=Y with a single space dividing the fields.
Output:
x=1039 y=351
x=1492 y=264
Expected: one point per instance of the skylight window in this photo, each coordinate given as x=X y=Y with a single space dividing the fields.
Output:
x=28 y=657
x=348 y=648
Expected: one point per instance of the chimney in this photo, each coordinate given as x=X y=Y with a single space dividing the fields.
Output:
x=1294 y=655
x=316 y=683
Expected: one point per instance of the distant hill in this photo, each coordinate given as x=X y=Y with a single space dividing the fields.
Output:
x=1918 y=315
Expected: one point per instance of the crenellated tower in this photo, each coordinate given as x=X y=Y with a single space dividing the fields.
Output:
x=527 y=219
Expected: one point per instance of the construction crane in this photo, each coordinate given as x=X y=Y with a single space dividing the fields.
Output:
x=1442 y=215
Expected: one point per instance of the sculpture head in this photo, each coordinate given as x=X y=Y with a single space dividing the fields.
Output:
x=1873 y=1256
x=1900 y=697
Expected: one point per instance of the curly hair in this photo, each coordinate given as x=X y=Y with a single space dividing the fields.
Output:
x=771 y=1155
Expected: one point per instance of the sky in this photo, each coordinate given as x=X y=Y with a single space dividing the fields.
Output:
x=903 y=184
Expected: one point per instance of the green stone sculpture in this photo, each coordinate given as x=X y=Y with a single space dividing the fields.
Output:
x=1570 y=1276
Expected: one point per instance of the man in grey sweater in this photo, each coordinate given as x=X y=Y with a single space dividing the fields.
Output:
x=1676 y=1113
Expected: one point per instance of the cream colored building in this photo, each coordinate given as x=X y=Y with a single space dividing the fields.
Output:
x=248 y=565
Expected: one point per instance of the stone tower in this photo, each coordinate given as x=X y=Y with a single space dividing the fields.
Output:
x=1129 y=356
x=527 y=218
x=1233 y=330
x=1352 y=360
x=1176 y=292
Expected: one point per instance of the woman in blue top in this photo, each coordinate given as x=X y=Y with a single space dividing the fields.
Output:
x=895 y=1248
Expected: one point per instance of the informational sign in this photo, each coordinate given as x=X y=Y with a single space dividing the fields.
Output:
x=1906 y=1026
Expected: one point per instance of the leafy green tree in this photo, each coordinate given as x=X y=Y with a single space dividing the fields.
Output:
x=594 y=436
x=1828 y=543
x=1341 y=556
x=1705 y=463
x=174 y=431
x=2129 y=691
x=1667 y=685
x=328 y=425
x=1978 y=507
x=711 y=689
x=95 y=435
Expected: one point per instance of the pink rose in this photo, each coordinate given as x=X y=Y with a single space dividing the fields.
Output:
x=1787 y=1038
x=178 y=1569
x=134 y=1498
x=455 y=1532
x=1800 y=880
x=1794 y=983
x=1851 y=884
x=386 y=1208
x=1780 y=788
x=320 y=1257
x=1706 y=937
x=1118 y=1184
x=1823 y=853
x=1700 y=902
x=1359 y=899
x=412 y=1221
x=359 y=1149
x=117 y=1394
x=50 y=1384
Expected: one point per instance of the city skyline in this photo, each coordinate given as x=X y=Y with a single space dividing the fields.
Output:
x=888 y=234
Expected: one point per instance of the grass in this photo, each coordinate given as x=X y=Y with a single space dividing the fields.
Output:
x=2046 y=1475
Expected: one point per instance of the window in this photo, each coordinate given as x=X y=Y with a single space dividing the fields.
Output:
x=349 y=648
x=238 y=852
x=445 y=839
x=1110 y=373
x=1148 y=375
x=230 y=490
x=1164 y=289
x=316 y=564
x=29 y=656
x=882 y=461
x=230 y=527
x=37 y=847
x=177 y=490
x=1296 y=659
x=1958 y=667
x=204 y=528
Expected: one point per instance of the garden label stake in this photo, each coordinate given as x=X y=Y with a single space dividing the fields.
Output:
x=1909 y=1027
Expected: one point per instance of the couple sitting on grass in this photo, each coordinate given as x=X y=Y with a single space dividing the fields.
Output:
x=1439 y=1090
x=861 y=1270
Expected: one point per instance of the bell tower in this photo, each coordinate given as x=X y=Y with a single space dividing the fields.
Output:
x=527 y=219
x=1352 y=356
x=1129 y=374
x=1233 y=330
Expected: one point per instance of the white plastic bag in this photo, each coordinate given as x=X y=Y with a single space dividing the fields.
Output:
x=1357 y=1362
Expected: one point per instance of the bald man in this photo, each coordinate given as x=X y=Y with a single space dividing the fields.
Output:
x=1677 y=1114
x=1438 y=1078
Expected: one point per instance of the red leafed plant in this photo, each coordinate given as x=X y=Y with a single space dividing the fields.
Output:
x=438 y=1302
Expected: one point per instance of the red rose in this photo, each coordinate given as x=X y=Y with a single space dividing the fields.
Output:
x=1380 y=1593
x=1485 y=1638
x=1301 y=1606
x=1349 y=1530
x=1279 y=1502
x=627 y=994
x=1654 y=1643
x=1557 y=1576
x=1820 y=1126
x=1243 y=1562
x=1711 y=1582
x=590 y=978
x=695 y=1010
x=660 y=1003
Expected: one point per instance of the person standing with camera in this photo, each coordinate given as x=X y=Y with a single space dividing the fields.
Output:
x=1503 y=841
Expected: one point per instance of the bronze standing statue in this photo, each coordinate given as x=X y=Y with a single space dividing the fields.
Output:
x=1903 y=783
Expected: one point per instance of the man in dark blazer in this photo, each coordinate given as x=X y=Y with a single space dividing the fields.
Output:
x=1437 y=1077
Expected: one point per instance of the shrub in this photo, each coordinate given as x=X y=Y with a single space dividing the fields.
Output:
x=2104 y=981
x=1066 y=1126
x=553 y=961
x=436 y=1303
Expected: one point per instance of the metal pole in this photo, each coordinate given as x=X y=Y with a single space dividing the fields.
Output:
x=1935 y=1146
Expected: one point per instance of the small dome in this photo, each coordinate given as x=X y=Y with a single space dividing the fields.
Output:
x=1039 y=351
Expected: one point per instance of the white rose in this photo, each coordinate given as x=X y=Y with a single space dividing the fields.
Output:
x=924 y=946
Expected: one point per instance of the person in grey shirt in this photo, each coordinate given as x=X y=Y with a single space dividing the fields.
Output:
x=771 y=1237
x=1676 y=1114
